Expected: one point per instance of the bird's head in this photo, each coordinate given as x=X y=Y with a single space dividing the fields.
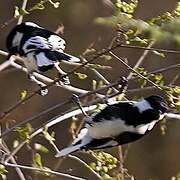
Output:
x=159 y=103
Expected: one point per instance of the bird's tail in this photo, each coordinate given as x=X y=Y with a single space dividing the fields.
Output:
x=82 y=140
x=58 y=56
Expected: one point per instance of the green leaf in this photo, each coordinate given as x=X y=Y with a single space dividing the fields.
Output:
x=177 y=89
x=41 y=148
x=55 y=4
x=19 y=12
x=25 y=131
x=94 y=82
x=49 y=137
x=98 y=66
x=23 y=12
x=159 y=54
x=15 y=143
x=23 y=94
x=37 y=161
x=106 y=57
x=3 y=171
x=16 y=12
x=81 y=75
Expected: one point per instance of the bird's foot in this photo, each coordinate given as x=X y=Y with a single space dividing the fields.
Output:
x=64 y=79
x=43 y=91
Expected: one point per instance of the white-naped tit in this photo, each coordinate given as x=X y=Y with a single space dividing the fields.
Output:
x=118 y=124
x=40 y=49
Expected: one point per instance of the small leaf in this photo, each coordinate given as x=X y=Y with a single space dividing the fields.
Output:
x=23 y=94
x=3 y=171
x=16 y=12
x=159 y=54
x=40 y=147
x=81 y=75
x=37 y=161
x=94 y=84
x=25 y=131
x=23 y=12
x=55 y=4
x=177 y=89
x=15 y=143
x=106 y=57
x=49 y=137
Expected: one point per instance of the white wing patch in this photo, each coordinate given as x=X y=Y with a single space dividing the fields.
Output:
x=109 y=128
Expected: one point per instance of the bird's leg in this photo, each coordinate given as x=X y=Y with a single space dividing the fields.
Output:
x=43 y=90
x=76 y=100
x=63 y=77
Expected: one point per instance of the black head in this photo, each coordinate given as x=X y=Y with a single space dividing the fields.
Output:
x=158 y=102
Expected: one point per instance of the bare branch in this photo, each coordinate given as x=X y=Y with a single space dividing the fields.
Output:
x=140 y=60
x=42 y=170
x=133 y=70
x=150 y=49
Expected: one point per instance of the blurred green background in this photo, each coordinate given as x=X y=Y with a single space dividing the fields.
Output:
x=156 y=156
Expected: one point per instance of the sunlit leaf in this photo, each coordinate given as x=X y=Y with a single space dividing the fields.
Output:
x=37 y=160
x=81 y=75
x=15 y=143
x=3 y=171
x=106 y=57
x=159 y=54
x=24 y=131
x=41 y=148
x=49 y=137
x=23 y=94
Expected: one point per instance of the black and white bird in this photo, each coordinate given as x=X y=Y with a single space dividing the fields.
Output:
x=118 y=124
x=39 y=48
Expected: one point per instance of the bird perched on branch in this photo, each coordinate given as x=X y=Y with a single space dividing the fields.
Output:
x=40 y=50
x=119 y=124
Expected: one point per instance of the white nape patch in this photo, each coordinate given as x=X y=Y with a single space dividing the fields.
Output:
x=32 y=24
x=17 y=39
x=57 y=43
x=143 y=128
x=42 y=60
x=109 y=128
x=142 y=105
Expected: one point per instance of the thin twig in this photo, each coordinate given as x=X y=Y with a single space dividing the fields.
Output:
x=140 y=75
x=18 y=170
x=24 y=4
x=42 y=170
x=140 y=60
x=86 y=165
x=150 y=49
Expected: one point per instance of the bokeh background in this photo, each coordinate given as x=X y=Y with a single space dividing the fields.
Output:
x=156 y=156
